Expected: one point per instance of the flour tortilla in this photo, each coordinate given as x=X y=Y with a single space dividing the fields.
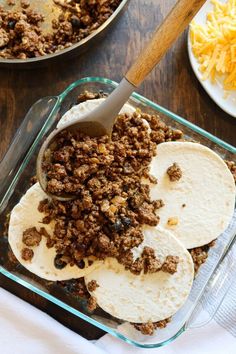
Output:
x=202 y=201
x=145 y=297
x=25 y=215
x=87 y=106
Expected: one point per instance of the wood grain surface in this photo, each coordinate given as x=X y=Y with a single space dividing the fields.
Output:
x=171 y=84
x=166 y=33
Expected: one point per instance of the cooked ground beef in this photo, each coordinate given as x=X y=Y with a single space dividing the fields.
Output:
x=27 y=254
x=87 y=95
x=24 y=4
x=148 y=263
x=76 y=287
x=170 y=264
x=33 y=180
x=11 y=2
x=83 y=163
x=91 y=304
x=112 y=203
x=92 y=285
x=21 y=36
x=12 y=258
x=232 y=167
x=174 y=172
x=44 y=233
x=31 y=237
x=149 y=327
x=200 y=254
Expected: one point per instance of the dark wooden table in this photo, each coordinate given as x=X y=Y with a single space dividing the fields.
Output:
x=171 y=84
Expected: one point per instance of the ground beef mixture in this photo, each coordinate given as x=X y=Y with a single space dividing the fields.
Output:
x=11 y=2
x=174 y=172
x=31 y=237
x=24 y=4
x=111 y=202
x=12 y=258
x=232 y=167
x=33 y=180
x=87 y=95
x=147 y=262
x=21 y=36
x=27 y=254
x=75 y=287
x=92 y=285
x=149 y=327
x=200 y=254
x=92 y=304
x=170 y=264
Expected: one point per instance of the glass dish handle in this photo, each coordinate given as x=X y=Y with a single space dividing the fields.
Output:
x=216 y=290
x=26 y=135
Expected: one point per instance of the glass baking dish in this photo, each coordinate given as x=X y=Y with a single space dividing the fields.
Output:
x=18 y=166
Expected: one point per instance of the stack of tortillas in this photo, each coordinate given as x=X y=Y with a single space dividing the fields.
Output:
x=201 y=202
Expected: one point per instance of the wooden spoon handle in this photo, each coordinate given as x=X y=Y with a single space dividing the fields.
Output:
x=173 y=25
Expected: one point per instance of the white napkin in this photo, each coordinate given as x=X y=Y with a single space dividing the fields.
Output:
x=26 y=330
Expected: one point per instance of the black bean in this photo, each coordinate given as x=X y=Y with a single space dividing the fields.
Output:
x=80 y=264
x=58 y=263
x=75 y=21
x=126 y=221
x=11 y=24
x=205 y=248
x=70 y=286
x=116 y=226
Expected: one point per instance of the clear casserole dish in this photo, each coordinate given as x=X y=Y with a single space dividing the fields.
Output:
x=18 y=166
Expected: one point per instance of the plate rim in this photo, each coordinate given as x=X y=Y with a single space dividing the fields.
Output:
x=197 y=74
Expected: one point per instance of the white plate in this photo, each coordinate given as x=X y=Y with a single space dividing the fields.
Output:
x=226 y=101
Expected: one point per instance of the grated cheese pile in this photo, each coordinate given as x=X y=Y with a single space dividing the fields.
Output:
x=214 y=44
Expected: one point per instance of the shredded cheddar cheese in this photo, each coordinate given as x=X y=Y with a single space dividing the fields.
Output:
x=214 y=44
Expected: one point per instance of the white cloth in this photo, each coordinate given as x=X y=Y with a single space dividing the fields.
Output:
x=226 y=283
x=26 y=330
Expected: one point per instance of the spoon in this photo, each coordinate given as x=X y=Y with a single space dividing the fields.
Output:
x=101 y=120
